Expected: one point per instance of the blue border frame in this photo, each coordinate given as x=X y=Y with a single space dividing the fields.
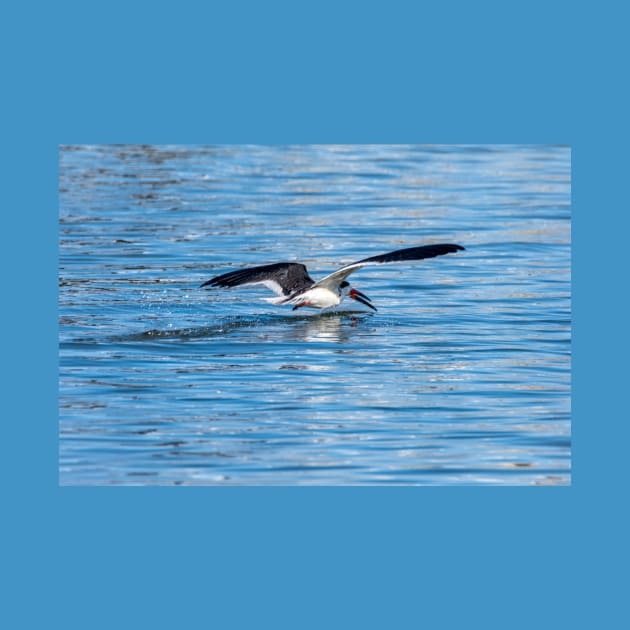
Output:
x=319 y=557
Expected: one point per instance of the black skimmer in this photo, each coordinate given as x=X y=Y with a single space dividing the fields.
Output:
x=292 y=284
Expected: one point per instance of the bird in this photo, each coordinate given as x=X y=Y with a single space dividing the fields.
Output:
x=292 y=284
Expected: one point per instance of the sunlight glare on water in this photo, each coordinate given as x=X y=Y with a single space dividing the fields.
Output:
x=461 y=377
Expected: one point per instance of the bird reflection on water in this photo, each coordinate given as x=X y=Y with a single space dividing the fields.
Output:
x=334 y=326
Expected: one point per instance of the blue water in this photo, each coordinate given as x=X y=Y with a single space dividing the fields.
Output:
x=461 y=377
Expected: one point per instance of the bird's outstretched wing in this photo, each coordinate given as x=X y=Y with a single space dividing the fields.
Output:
x=333 y=280
x=282 y=278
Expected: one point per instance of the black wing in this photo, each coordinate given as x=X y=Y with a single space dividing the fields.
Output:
x=411 y=253
x=282 y=278
x=333 y=280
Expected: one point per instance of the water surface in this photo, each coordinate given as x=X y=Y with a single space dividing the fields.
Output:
x=461 y=377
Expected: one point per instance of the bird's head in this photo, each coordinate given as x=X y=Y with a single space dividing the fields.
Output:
x=346 y=290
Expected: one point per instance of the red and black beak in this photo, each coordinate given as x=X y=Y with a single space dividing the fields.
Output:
x=361 y=297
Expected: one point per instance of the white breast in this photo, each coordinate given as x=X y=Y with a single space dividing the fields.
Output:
x=319 y=298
